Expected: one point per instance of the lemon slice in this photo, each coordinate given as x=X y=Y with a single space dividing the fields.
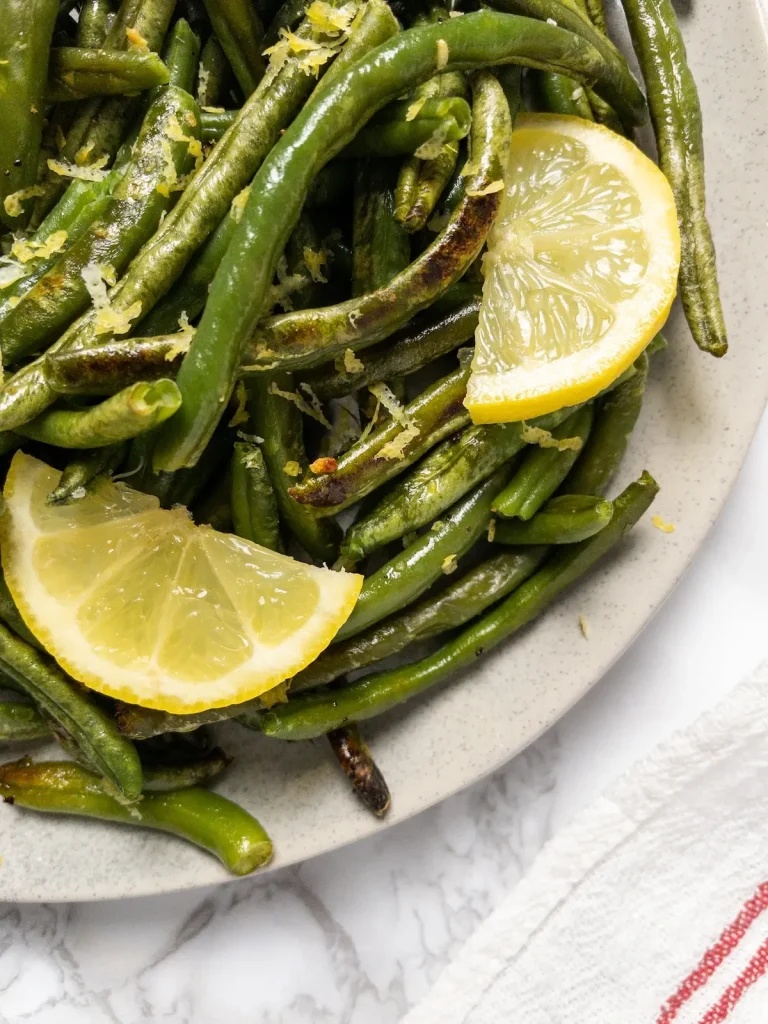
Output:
x=138 y=603
x=580 y=272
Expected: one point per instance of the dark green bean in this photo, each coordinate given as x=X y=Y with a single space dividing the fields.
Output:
x=357 y=763
x=254 y=505
x=444 y=476
x=380 y=247
x=332 y=186
x=477 y=590
x=238 y=29
x=203 y=818
x=566 y=519
x=79 y=475
x=618 y=86
x=131 y=217
x=615 y=421
x=20 y=722
x=213 y=74
x=406 y=576
x=279 y=422
x=92 y=23
x=77 y=74
x=132 y=411
x=138 y=723
x=182 y=52
x=242 y=284
x=66 y=705
x=544 y=469
x=437 y=413
x=311 y=337
x=315 y=714
x=415 y=346
x=676 y=117
x=25 y=44
x=114 y=365
x=287 y=16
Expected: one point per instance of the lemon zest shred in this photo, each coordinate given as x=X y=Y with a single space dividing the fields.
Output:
x=544 y=439
x=659 y=523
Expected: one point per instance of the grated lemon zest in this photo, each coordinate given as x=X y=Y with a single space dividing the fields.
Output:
x=544 y=439
x=659 y=523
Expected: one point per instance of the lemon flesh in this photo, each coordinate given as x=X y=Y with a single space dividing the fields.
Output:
x=138 y=603
x=580 y=272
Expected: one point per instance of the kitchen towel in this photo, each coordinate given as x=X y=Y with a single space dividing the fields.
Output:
x=650 y=908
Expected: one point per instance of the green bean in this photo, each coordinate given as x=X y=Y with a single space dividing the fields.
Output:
x=174 y=777
x=66 y=705
x=182 y=52
x=240 y=33
x=138 y=723
x=203 y=204
x=616 y=418
x=203 y=818
x=566 y=519
x=676 y=117
x=308 y=338
x=92 y=23
x=544 y=469
x=477 y=590
x=114 y=364
x=73 y=204
x=25 y=44
x=77 y=74
x=380 y=247
x=394 y=132
x=9 y=613
x=596 y=14
x=215 y=123
x=618 y=86
x=437 y=413
x=189 y=294
x=20 y=722
x=407 y=187
x=81 y=474
x=557 y=94
x=241 y=287
x=254 y=505
x=131 y=217
x=357 y=763
x=315 y=714
x=444 y=476
x=279 y=422
x=425 y=339
x=406 y=576
x=99 y=126
x=133 y=411
x=213 y=74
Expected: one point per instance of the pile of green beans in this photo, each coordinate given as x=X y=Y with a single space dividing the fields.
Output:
x=257 y=245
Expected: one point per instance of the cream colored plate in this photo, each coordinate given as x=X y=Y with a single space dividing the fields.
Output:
x=695 y=430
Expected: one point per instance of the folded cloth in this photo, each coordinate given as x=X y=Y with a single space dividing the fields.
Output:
x=651 y=907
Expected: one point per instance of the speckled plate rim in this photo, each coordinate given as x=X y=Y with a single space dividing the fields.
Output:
x=696 y=428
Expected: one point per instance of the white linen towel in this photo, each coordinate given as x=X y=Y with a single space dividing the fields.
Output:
x=650 y=908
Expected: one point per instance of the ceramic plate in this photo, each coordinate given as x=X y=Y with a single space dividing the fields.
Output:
x=696 y=426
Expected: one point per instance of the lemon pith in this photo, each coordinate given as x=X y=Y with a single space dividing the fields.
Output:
x=140 y=604
x=580 y=273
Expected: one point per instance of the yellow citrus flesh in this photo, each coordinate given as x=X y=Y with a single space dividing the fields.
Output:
x=138 y=603
x=580 y=273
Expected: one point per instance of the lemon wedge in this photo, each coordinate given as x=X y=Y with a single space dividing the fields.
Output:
x=580 y=272
x=138 y=603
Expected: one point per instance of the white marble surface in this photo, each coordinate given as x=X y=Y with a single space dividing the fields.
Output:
x=358 y=936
